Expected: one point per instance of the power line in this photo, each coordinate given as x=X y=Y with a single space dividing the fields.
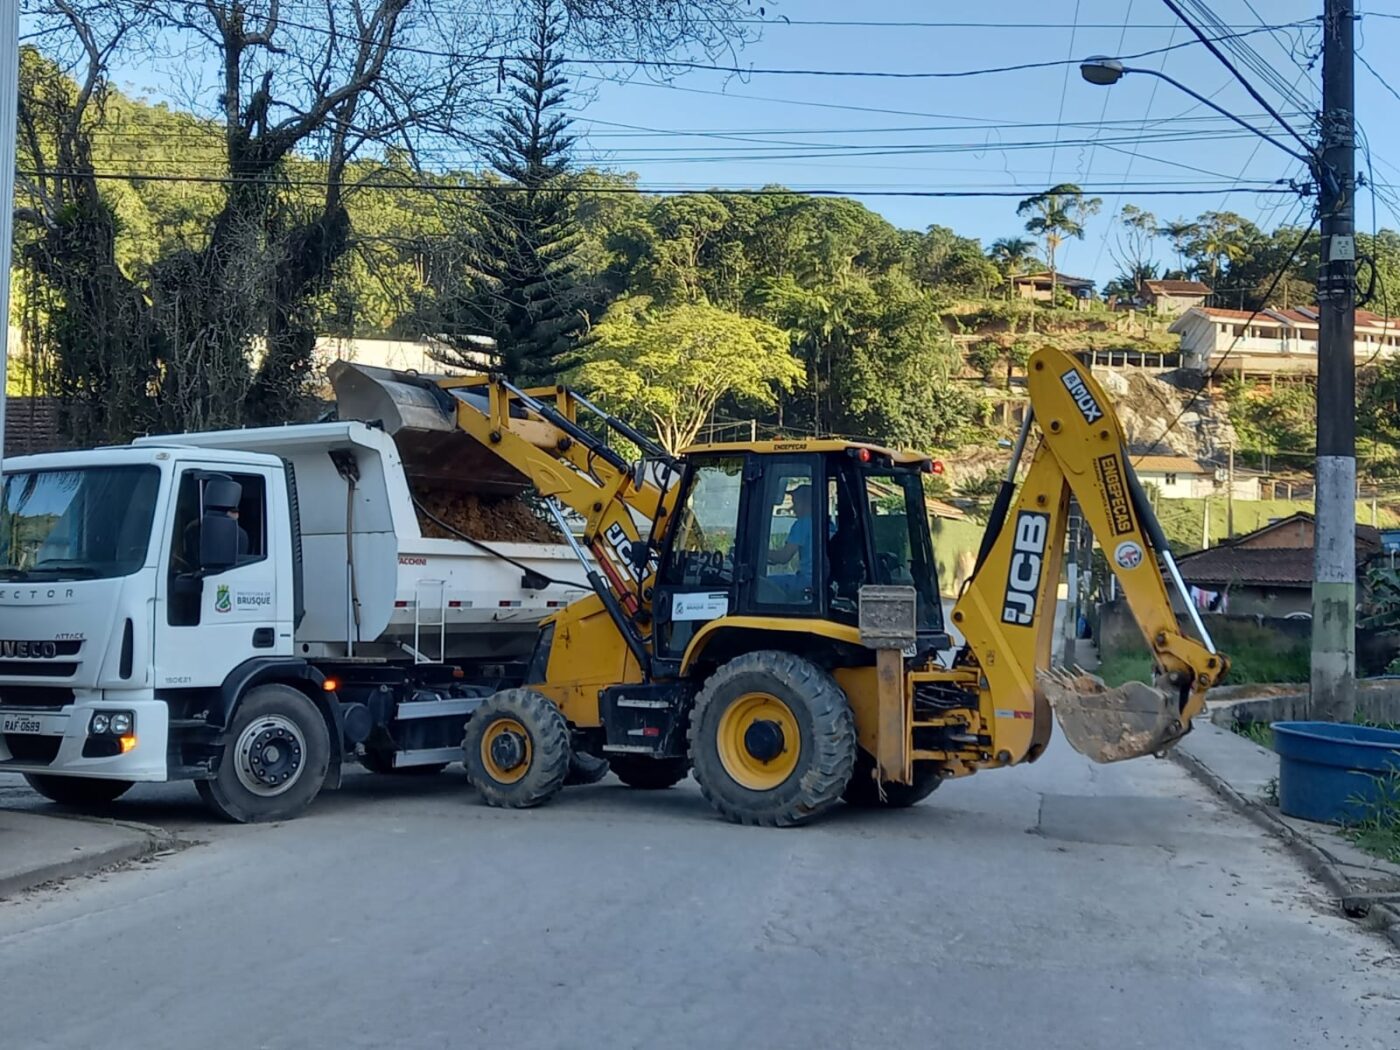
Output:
x=631 y=191
x=1253 y=91
x=1064 y=91
x=679 y=64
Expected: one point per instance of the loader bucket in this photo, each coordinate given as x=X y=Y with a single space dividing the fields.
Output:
x=1109 y=725
x=420 y=417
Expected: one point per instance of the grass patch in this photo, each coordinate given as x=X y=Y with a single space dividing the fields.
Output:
x=1260 y=732
x=1378 y=832
x=1257 y=655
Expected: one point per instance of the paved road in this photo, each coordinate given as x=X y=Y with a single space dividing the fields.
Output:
x=1060 y=905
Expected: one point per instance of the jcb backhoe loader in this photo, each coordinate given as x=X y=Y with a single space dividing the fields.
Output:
x=766 y=615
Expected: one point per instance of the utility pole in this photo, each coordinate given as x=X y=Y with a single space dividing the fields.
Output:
x=1071 y=606
x=9 y=92
x=1205 y=524
x=1230 y=496
x=1333 y=693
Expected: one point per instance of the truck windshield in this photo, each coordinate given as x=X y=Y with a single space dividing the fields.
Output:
x=900 y=533
x=84 y=524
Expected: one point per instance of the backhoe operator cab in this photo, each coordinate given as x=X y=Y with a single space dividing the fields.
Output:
x=791 y=535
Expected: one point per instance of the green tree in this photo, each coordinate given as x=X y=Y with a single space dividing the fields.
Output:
x=517 y=279
x=671 y=365
x=984 y=358
x=1221 y=239
x=1058 y=213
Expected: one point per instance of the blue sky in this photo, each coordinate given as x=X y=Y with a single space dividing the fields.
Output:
x=743 y=106
x=703 y=129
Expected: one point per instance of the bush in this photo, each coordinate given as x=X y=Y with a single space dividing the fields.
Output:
x=1257 y=654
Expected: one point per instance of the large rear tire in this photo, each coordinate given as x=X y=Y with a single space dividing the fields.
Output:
x=772 y=739
x=78 y=792
x=275 y=761
x=516 y=749
x=864 y=792
x=649 y=774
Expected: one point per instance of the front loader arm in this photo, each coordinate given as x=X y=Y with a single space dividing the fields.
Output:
x=1007 y=612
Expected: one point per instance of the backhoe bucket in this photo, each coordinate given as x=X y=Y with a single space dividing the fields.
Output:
x=420 y=417
x=1109 y=725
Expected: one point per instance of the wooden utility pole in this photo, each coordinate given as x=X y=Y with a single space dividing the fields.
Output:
x=1333 y=686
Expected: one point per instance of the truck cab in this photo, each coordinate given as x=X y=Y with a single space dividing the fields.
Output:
x=120 y=614
x=248 y=610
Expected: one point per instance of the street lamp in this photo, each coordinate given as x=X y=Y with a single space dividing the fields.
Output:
x=1102 y=71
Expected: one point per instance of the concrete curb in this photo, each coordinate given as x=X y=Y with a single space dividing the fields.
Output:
x=151 y=840
x=1381 y=916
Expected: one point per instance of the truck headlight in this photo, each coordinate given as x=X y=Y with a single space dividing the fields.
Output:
x=99 y=724
x=121 y=723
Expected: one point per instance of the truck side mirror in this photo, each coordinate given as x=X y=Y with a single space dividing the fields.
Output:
x=218 y=543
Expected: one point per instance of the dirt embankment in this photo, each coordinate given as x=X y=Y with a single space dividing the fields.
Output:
x=499 y=519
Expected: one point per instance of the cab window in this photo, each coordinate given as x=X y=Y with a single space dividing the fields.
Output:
x=702 y=552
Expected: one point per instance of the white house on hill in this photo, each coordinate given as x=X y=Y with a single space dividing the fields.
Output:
x=1273 y=341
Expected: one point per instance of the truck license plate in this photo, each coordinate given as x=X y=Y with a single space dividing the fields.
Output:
x=33 y=725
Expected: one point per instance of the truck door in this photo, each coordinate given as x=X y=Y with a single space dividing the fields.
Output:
x=697 y=578
x=208 y=624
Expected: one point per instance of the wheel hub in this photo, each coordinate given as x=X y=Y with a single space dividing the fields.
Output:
x=269 y=755
x=759 y=741
x=508 y=749
x=764 y=739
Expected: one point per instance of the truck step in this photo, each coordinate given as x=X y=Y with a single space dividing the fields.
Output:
x=427 y=756
x=438 y=708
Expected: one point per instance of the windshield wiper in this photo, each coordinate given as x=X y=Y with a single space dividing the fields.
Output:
x=11 y=572
x=83 y=572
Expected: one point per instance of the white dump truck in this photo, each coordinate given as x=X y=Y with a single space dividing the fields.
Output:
x=253 y=609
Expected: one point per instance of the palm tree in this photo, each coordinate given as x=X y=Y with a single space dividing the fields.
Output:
x=1220 y=236
x=1011 y=254
x=1181 y=233
x=1056 y=214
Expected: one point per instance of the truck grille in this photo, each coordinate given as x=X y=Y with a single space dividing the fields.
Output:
x=25 y=748
x=34 y=696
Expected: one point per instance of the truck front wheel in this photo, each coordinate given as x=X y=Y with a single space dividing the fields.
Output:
x=275 y=760
x=78 y=792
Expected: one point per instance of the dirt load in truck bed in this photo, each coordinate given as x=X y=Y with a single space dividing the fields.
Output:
x=499 y=519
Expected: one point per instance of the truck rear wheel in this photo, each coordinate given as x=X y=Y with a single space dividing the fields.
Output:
x=79 y=792
x=275 y=761
x=772 y=739
x=862 y=791
x=649 y=774
x=516 y=749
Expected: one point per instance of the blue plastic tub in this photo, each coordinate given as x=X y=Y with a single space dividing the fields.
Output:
x=1327 y=770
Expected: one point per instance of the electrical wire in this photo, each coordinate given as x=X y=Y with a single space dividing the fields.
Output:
x=630 y=191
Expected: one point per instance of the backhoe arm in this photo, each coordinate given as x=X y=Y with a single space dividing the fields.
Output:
x=1007 y=611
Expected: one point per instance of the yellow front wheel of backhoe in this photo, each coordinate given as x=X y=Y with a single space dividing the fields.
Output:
x=772 y=739
x=516 y=749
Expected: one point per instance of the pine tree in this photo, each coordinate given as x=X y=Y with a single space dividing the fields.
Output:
x=516 y=279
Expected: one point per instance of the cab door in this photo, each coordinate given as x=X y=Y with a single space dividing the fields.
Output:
x=206 y=625
x=699 y=572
